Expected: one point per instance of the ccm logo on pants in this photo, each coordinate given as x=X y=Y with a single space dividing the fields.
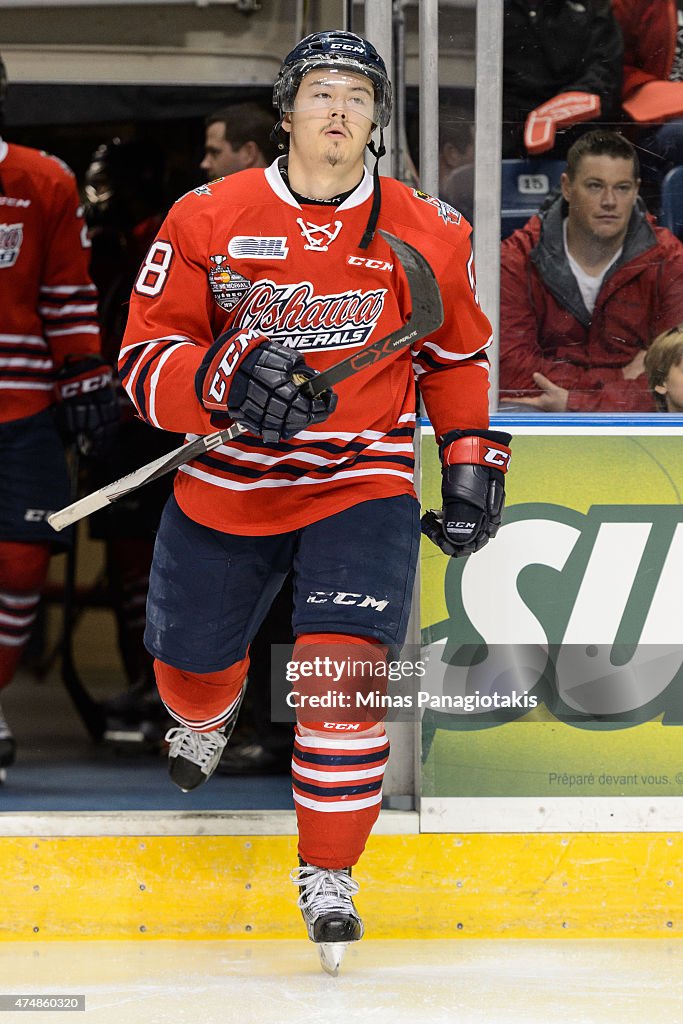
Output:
x=341 y=597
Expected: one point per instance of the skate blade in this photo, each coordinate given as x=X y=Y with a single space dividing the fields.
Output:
x=331 y=956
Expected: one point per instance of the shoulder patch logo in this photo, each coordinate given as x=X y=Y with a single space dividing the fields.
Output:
x=11 y=237
x=228 y=287
x=257 y=247
x=448 y=214
x=201 y=190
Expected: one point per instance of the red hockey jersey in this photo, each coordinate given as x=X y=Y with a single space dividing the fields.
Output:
x=242 y=252
x=48 y=304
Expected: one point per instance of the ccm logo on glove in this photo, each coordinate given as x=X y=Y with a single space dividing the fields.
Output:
x=83 y=385
x=256 y=381
x=218 y=387
x=87 y=412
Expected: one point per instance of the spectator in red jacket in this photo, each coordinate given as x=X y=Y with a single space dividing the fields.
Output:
x=585 y=286
x=653 y=81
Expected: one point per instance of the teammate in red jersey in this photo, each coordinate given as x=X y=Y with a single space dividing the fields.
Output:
x=49 y=353
x=253 y=279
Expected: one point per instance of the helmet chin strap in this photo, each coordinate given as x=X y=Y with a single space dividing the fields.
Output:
x=378 y=152
x=276 y=135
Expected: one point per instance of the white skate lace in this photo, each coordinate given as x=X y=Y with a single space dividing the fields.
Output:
x=200 y=748
x=324 y=889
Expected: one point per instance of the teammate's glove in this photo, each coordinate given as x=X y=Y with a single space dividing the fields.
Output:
x=257 y=382
x=472 y=489
x=87 y=406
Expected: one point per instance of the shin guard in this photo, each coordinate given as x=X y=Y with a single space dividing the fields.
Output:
x=338 y=765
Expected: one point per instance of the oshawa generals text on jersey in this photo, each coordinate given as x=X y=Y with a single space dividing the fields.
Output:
x=241 y=252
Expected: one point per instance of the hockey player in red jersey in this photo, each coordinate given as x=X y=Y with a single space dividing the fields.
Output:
x=49 y=364
x=254 y=280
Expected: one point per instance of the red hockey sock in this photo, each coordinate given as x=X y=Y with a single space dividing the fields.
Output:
x=201 y=701
x=23 y=570
x=337 y=788
x=338 y=765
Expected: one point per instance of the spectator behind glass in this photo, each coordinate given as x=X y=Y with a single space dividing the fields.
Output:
x=562 y=65
x=585 y=286
x=456 y=159
x=237 y=137
x=456 y=152
x=653 y=84
x=664 y=368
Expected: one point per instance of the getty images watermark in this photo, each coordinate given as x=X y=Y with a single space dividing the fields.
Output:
x=341 y=682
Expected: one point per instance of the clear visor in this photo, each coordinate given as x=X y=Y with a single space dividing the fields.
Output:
x=327 y=89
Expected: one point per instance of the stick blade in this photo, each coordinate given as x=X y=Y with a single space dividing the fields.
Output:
x=427 y=314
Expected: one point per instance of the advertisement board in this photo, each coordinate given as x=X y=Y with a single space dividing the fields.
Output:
x=555 y=654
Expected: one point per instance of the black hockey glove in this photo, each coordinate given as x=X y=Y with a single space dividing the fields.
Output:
x=87 y=405
x=473 y=491
x=257 y=382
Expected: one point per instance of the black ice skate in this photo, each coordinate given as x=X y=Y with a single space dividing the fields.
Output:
x=327 y=908
x=8 y=747
x=193 y=756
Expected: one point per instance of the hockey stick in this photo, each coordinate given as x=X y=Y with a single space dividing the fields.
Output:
x=91 y=713
x=426 y=316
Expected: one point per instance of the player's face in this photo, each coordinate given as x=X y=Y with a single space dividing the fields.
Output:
x=220 y=158
x=332 y=118
x=601 y=197
x=672 y=388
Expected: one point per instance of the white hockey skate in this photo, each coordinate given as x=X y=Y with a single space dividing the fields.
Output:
x=8 y=747
x=327 y=908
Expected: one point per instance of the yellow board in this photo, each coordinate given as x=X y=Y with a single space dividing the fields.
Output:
x=412 y=886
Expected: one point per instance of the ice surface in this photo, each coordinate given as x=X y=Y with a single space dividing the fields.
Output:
x=380 y=982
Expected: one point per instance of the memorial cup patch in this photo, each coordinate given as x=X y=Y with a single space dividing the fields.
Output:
x=227 y=285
